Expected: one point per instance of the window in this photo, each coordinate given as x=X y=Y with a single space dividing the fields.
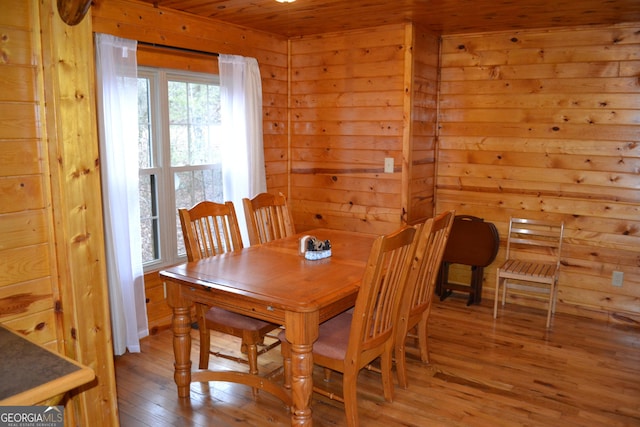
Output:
x=179 y=156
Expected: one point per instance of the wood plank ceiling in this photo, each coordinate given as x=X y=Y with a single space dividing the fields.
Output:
x=307 y=17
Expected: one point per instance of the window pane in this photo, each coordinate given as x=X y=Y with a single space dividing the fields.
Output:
x=178 y=123
x=198 y=103
x=178 y=112
x=200 y=150
x=194 y=117
x=193 y=187
x=197 y=185
x=179 y=144
x=149 y=219
x=144 y=125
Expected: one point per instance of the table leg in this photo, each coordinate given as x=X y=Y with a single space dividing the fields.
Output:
x=301 y=331
x=181 y=325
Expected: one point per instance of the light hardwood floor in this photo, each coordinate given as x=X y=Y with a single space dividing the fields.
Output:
x=508 y=372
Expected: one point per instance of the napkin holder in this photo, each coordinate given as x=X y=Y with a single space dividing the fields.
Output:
x=313 y=249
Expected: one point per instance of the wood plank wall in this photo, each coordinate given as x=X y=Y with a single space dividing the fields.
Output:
x=351 y=102
x=546 y=124
x=52 y=277
x=28 y=290
x=357 y=98
x=423 y=84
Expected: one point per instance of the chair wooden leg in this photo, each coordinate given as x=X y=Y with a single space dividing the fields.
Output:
x=505 y=284
x=401 y=363
x=552 y=303
x=252 y=358
x=349 y=395
x=549 y=318
x=327 y=374
x=423 y=338
x=497 y=295
x=285 y=350
x=386 y=365
x=205 y=337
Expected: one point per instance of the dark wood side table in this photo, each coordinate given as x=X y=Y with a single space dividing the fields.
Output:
x=472 y=242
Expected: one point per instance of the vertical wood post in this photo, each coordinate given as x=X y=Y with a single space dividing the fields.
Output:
x=69 y=122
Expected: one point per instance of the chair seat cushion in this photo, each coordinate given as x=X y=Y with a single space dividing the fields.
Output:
x=235 y=320
x=333 y=337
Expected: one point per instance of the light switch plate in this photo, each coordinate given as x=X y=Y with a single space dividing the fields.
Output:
x=617 y=278
x=388 y=165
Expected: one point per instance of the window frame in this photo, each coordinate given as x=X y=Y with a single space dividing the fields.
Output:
x=160 y=157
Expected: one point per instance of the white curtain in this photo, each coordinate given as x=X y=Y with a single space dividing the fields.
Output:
x=116 y=78
x=243 y=154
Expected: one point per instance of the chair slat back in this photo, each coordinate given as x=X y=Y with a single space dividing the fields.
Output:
x=527 y=236
x=432 y=237
x=268 y=218
x=378 y=299
x=210 y=229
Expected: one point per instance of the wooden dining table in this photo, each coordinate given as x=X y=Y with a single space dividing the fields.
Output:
x=272 y=282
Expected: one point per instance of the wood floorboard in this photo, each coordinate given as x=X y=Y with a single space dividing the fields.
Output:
x=483 y=372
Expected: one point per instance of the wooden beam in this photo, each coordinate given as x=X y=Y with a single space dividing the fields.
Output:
x=70 y=127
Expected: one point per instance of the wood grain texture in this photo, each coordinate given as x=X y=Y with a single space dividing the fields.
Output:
x=545 y=124
x=27 y=289
x=350 y=111
x=357 y=98
x=421 y=148
x=158 y=311
x=482 y=373
x=67 y=124
x=312 y=17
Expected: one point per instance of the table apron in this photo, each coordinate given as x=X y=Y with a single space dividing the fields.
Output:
x=255 y=308
x=237 y=304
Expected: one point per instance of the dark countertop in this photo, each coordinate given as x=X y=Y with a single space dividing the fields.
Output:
x=30 y=373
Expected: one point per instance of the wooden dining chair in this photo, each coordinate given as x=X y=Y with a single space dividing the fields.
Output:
x=532 y=264
x=211 y=229
x=415 y=307
x=353 y=339
x=268 y=218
